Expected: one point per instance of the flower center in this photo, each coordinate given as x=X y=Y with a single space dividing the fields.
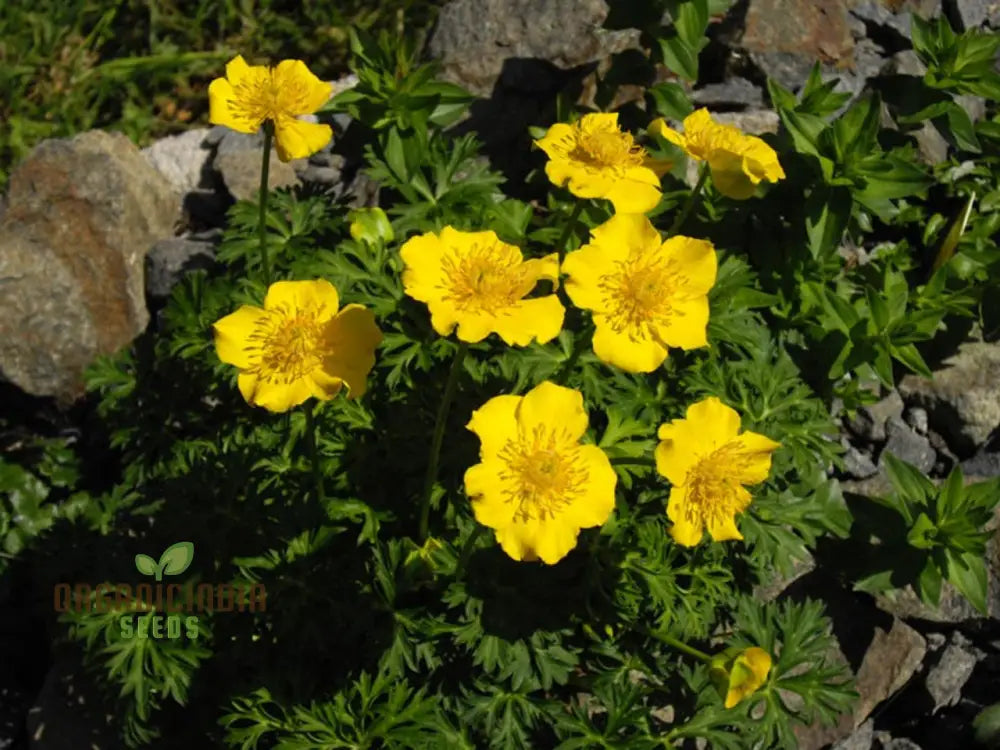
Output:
x=713 y=483
x=287 y=347
x=543 y=473
x=640 y=293
x=487 y=278
x=603 y=149
x=260 y=95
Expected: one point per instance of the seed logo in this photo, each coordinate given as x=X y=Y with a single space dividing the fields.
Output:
x=175 y=560
x=143 y=606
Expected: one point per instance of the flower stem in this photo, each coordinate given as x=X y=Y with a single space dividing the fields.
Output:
x=568 y=230
x=466 y=553
x=579 y=344
x=681 y=646
x=265 y=167
x=439 y=424
x=313 y=451
x=691 y=201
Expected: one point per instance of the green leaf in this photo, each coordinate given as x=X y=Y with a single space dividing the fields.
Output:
x=911 y=358
x=911 y=485
x=855 y=131
x=887 y=177
x=145 y=564
x=878 y=308
x=924 y=39
x=679 y=56
x=923 y=533
x=828 y=211
x=967 y=573
x=690 y=18
x=929 y=582
x=950 y=242
x=670 y=100
x=987 y=726
x=177 y=558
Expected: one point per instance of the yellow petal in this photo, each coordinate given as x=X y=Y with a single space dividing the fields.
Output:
x=688 y=326
x=312 y=295
x=578 y=180
x=659 y=127
x=758 y=448
x=553 y=407
x=538 y=269
x=422 y=273
x=586 y=269
x=687 y=530
x=473 y=327
x=220 y=94
x=484 y=483
x=352 y=337
x=495 y=423
x=232 y=333
x=696 y=260
x=293 y=74
x=462 y=242
x=323 y=385
x=297 y=139
x=595 y=507
x=636 y=193
x=729 y=178
x=595 y=121
x=247 y=383
x=716 y=422
x=554 y=539
x=623 y=234
x=237 y=69
x=554 y=142
x=722 y=528
x=518 y=540
x=444 y=317
x=280 y=397
x=538 y=319
x=622 y=351
x=676 y=453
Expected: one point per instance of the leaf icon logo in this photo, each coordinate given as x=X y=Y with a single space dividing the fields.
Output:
x=175 y=560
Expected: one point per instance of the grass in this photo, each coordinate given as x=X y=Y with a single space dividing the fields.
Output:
x=142 y=66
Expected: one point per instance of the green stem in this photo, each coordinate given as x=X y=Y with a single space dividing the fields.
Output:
x=265 y=167
x=439 y=424
x=568 y=229
x=579 y=344
x=470 y=544
x=313 y=451
x=691 y=201
x=681 y=646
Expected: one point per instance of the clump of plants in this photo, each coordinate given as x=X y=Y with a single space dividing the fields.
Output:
x=512 y=474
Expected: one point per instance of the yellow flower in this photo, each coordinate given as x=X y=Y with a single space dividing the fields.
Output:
x=298 y=345
x=738 y=162
x=537 y=486
x=251 y=94
x=739 y=673
x=645 y=294
x=708 y=462
x=474 y=280
x=598 y=160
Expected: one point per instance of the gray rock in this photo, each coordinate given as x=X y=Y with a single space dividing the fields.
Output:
x=907 y=445
x=319 y=175
x=860 y=739
x=168 y=260
x=917 y=419
x=935 y=641
x=735 y=91
x=857 y=464
x=870 y=421
x=897 y=743
x=182 y=159
x=977 y=13
x=83 y=213
x=974 y=106
x=474 y=38
x=904 y=63
x=891 y=660
x=982 y=464
x=874 y=12
x=228 y=141
x=946 y=679
x=931 y=145
x=962 y=400
x=240 y=171
x=788 y=68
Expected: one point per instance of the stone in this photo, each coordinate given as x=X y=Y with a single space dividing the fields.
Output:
x=474 y=38
x=319 y=175
x=857 y=464
x=888 y=742
x=168 y=260
x=983 y=464
x=734 y=92
x=907 y=445
x=978 y=13
x=869 y=422
x=860 y=739
x=974 y=106
x=892 y=658
x=917 y=419
x=963 y=399
x=877 y=14
x=240 y=171
x=82 y=214
x=183 y=159
x=931 y=145
x=946 y=679
x=904 y=63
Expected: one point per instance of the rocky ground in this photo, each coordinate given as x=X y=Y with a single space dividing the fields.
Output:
x=94 y=233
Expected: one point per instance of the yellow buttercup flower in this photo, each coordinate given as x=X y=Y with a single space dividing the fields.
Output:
x=708 y=462
x=537 y=486
x=475 y=281
x=249 y=95
x=299 y=345
x=595 y=159
x=738 y=162
x=738 y=673
x=646 y=294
